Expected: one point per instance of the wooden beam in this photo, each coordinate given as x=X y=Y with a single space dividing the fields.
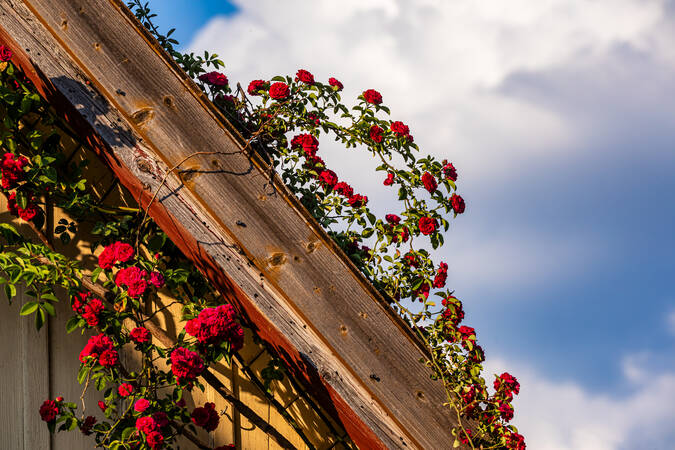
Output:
x=251 y=238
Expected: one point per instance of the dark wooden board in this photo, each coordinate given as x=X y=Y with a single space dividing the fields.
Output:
x=281 y=269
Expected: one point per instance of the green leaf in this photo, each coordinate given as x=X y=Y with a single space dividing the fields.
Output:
x=95 y=274
x=72 y=324
x=9 y=232
x=10 y=291
x=49 y=308
x=28 y=308
x=39 y=318
x=49 y=296
x=128 y=432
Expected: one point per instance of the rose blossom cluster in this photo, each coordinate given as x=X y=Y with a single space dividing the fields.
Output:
x=151 y=427
x=114 y=253
x=88 y=307
x=100 y=348
x=134 y=279
x=28 y=213
x=216 y=79
x=215 y=325
x=326 y=177
x=12 y=170
x=186 y=365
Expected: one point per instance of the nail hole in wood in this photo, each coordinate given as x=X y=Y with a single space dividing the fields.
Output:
x=168 y=102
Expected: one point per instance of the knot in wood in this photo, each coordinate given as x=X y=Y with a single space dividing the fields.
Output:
x=312 y=246
x=277 y=259
x=142 y=116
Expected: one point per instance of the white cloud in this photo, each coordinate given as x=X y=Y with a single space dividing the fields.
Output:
x=555 y=415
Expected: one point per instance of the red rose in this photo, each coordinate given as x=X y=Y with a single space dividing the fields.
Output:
x=146 y=425
x=506 y=411
x=429 y=182
x=372 y=96
x=357 y=200
x=257 y=85
x=134 y=279
x=87 y=425
x=49 y=410
x=400 y=128
x=59 y=399
x=376 y=133
x=309 y=144
x=392 y=218
x=109 y=358
x=335 y=83
x=344 y=189
x=5 y=53
x=215 y=325
x=507 y=384
x=141 y=405
x=390 y=179
x=427 y=225
x=279 y=91
x=441 y=276
x=304 y=76
x=186 y=364
x=106 y=259
x=206 y=417
x=102 y=405
x=449 y=171
x=96 y=347
x=157 y=280
x=139 y=335
x=214 y=79
x=328 y=178
x=91 y=312
x=457 y=203
x=411 y=260
x=154 y=440
x=123 y=251
x=125 y=389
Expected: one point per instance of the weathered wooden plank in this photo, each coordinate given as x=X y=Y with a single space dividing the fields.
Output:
x=35 y=377
x=11 y=373
x=304 y=294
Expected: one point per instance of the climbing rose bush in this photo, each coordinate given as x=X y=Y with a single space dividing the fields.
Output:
x=284 y=120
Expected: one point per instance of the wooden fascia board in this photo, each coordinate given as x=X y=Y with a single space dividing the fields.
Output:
x=280 y=268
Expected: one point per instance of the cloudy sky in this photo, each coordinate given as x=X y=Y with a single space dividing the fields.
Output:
x=560 y=117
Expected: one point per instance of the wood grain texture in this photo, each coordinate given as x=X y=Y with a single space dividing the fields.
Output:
x=88 y=51
x=35 y=378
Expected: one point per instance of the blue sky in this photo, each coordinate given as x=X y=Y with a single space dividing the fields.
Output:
x=559 y=117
